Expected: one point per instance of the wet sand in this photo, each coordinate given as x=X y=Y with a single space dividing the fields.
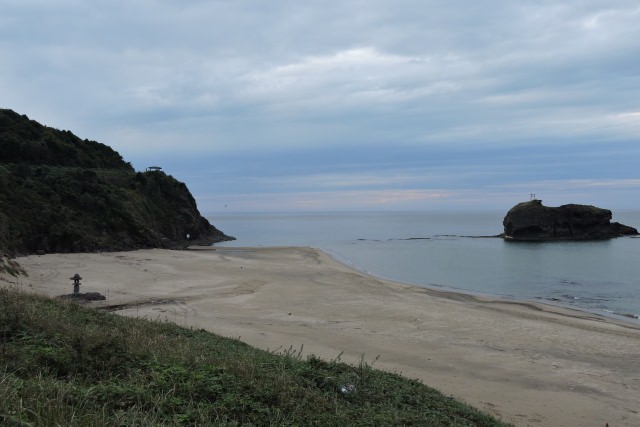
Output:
x=529 y=364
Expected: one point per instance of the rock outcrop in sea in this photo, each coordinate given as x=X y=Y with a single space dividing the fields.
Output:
x=532 y=221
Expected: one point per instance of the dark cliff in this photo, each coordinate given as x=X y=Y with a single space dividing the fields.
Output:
x=59 y=193
x=532 y=221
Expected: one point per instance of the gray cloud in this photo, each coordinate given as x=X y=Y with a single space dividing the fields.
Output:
x=201 y=80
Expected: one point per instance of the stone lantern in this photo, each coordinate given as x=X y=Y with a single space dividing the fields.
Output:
x=76 y=283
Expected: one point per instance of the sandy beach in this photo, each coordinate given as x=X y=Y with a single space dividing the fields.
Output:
x=529 y=364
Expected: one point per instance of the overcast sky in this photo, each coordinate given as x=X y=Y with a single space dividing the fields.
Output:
x=343 y=105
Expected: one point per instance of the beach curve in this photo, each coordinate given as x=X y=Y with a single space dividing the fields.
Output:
x=528 y=363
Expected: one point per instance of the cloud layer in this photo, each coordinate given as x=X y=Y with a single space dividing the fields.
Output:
x=343 y=104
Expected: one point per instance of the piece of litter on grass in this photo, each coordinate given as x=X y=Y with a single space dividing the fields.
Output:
x=348 y=388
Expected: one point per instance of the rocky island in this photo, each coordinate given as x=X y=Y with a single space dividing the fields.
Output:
x=532 y=221
x=60 y=193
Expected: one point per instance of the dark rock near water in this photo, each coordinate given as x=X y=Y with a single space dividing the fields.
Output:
x=532 y=221
x=87 y=296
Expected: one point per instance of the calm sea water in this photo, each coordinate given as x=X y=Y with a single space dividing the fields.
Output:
x=443 y=250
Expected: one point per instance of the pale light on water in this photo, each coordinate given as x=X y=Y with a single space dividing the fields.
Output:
x=434 y=249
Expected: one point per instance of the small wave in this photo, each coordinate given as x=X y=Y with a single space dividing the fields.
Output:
x=629 y=315
x=434 y=237
x=569 y=282
x=593 y=301
x=394 y=239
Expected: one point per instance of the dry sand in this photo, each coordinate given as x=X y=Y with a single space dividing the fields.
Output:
x=530 y=364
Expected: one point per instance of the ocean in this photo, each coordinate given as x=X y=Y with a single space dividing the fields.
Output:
x=452 y=251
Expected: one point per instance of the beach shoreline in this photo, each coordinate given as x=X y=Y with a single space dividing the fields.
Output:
x=530 y=363
x=625 y=318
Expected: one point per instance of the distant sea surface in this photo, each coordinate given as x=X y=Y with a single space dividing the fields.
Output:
x=443 y=250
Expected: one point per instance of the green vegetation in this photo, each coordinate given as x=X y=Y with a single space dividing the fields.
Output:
x=28 y=142
x=62 y=364
x=59 y=193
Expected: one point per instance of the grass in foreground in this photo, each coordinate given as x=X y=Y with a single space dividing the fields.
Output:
x=62 y=364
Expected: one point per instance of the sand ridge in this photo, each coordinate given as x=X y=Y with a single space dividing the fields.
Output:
x=530 y=364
